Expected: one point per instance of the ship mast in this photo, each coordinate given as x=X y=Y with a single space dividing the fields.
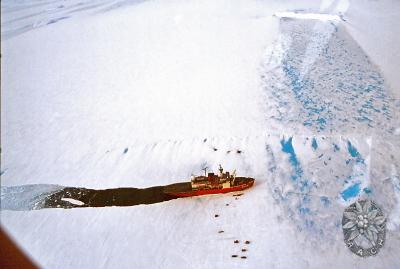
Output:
x=221 y=170
x=205 y=170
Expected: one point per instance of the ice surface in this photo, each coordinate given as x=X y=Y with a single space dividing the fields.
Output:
x=311 y=16
x=73 y=201
x=106 y=94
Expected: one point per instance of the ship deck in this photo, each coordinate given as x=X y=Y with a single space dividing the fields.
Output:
x=187 y=187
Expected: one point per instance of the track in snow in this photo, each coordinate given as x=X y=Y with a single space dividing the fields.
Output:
x=71 y=197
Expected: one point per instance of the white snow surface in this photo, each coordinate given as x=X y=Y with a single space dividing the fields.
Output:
x=106 y=94
x=375 y=25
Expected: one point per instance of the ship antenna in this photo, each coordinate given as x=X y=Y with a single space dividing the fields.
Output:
x=205 y=170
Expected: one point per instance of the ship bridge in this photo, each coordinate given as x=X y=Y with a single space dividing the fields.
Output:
x=212 y=181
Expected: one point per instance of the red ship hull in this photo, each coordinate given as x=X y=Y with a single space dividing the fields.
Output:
x=188 y=193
